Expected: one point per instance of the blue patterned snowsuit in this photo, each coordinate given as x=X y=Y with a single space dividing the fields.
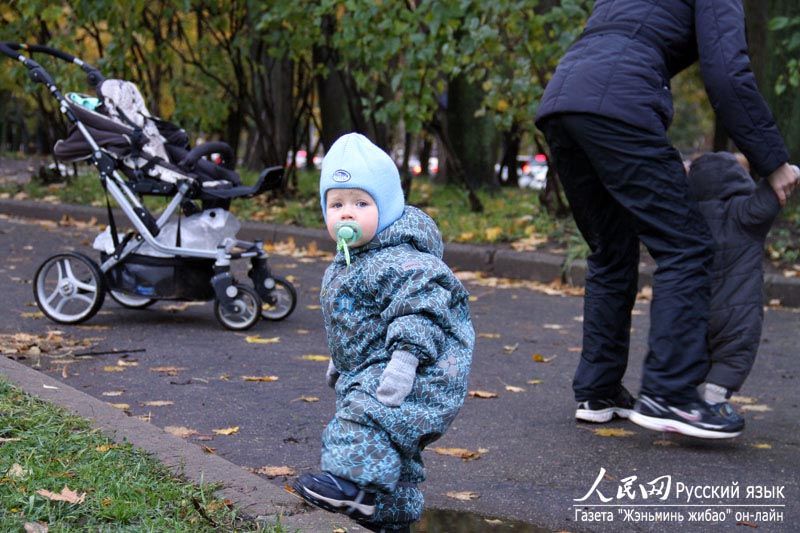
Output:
x=397 y=294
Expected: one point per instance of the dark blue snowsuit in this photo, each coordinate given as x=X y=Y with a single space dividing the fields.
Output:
x=397 y=294
x=605 y=114
x=740 y=214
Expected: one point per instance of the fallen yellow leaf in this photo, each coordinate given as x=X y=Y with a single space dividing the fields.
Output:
x=489 y=335
x=157 y=403
x=122 y=406
x=103 y=448
x=463 y=496
x=257 y=339
x=743 y=399
x=66 y=495
x=492 y=234
x=313 y=357
x=307 y=399
x=226 y=431
x=762 y=446
x=35 y=527
x=180 y=431
x=168 y=370
x=512 y=388
x=613 y=432
x=313 y=307
x=482 y=394
x=757 y=408
x=123 y=362
x=260 y=378
x=16 y=472
x=539 y=358
x=274 y=471
x=510 y=348
x=110 y=368
x=461 y=453
x=534 y=381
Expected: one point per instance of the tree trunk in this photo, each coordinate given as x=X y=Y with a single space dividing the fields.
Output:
x=551 y=197
x=339 y=107
x=233 y=126
x=473 y=139
x=425 y=153
x=769 y=62
x=511 y=143
x=272 y=108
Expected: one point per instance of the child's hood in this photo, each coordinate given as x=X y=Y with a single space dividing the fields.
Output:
x=717 y=176
x=413 y=227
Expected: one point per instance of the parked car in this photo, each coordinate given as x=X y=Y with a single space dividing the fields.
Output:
x=302 y=158
x=531 y=171
x=416 y=166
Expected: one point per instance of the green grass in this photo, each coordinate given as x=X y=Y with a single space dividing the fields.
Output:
x=43 y=447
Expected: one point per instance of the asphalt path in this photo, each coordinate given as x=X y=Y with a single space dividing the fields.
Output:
x=527 y=458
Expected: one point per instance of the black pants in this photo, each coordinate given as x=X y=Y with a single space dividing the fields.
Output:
x=625 y=184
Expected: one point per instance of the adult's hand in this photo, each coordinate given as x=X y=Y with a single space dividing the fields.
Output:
x=783 y=181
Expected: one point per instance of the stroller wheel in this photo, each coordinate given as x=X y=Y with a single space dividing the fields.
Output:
x=131 y=302
x=247 y=305
x=280 y=302
x=69 y=288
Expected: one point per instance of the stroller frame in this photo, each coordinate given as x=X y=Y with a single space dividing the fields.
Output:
x=237 y=306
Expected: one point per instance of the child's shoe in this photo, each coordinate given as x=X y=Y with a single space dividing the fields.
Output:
x=336 y=494
x=725 y=411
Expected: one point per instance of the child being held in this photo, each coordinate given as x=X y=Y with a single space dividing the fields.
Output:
x=400 y=337
x=739 y=214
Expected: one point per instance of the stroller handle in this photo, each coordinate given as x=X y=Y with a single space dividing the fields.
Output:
x=37 y=72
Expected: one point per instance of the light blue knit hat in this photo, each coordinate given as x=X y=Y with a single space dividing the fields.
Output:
x=353 y=162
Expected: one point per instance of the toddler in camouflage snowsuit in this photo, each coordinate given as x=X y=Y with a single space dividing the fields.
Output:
x=400 y=338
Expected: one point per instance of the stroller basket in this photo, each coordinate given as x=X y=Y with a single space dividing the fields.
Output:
x=164 y=278
x=138 y=154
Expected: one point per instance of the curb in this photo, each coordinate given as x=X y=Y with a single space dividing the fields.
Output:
x=252 y=495
x=495 y=260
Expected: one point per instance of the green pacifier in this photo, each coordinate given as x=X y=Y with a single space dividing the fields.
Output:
x=347 y=233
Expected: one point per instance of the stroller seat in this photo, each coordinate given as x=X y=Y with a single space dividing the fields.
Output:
x=153 y=153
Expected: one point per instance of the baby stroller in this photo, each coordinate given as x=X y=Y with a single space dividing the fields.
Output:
x=138 y=155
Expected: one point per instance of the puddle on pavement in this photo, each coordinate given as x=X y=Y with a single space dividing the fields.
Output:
x=446 y=521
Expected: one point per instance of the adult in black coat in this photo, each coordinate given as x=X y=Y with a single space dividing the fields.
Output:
x=605 y=115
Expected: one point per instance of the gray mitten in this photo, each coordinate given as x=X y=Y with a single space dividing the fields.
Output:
x=397 y=379
x=332 y=375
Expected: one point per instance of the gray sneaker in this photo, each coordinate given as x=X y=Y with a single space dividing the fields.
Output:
x=696 y=419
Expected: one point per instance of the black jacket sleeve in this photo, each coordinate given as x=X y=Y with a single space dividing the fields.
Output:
x=757 y=212
x=731 y=85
